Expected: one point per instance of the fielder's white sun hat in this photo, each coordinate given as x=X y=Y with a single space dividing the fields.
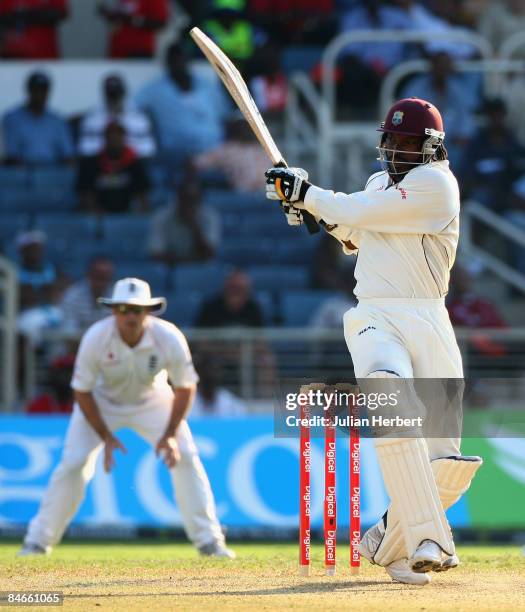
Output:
x=135 y=292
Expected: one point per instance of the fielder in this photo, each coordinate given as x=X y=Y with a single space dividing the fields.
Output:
x=121 y=380
x=405 y=226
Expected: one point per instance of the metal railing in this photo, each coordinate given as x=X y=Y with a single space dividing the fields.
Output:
x=8 y=346
x=509 y=46
x=472 y=212
x=255 y=363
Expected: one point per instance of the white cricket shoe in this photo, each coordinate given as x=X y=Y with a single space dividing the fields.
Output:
x=427 y=558
x=398 y=570
x=449 y=562
x=33 y=550
x=217 y=549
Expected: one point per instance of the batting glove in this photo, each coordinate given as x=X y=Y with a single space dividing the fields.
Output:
x=293 y=215
x=286 y=184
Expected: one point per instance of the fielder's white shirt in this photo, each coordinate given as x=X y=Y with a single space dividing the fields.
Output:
x=406 y=234
x=119 y=374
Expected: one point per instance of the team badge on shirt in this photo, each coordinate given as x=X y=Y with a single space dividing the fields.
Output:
x=397 y=118
x=152 y=363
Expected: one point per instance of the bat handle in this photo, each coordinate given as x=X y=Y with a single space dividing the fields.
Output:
x=309 y=220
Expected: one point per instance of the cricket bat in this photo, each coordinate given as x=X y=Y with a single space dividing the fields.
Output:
x=239 y=91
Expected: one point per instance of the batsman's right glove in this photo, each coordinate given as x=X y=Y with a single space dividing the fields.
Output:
x=293 y=215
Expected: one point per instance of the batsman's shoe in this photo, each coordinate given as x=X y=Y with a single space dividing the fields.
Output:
x=31 y=550
x=217 y=549
x=449 y=562
x=371 y=540
x=400 y=572
x=427 y=558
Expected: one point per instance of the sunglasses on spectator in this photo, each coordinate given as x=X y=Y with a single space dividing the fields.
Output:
x=125 y=308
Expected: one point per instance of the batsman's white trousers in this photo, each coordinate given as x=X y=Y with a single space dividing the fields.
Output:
x=412 y=338
x=66 y=489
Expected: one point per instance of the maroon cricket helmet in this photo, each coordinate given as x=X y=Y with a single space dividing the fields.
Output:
x=413 y=117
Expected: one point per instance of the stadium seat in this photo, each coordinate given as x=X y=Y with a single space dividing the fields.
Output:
x=15 y=178
x=156 y=274
x=183 y=308
x=232 y=201
x=267 y=303
x=125 y=236
x=247 y=251
x=278 y=278
x=298 y=307
x=205 y=277
x=300 y=58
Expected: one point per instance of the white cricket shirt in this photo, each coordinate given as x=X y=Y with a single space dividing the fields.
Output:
x=406 y=234
x=120 y=374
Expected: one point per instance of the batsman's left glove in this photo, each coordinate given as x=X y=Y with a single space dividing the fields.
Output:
x=293 y=215
x=286 y=184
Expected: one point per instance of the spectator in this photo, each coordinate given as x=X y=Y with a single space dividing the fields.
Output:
x=211 y=399
x=492 y=160
x=42 y=316
x=501 y=20
x=230 y=29
x=134 y=24
x=111 y=181
x=33 y=134
x=420 y=19
x=270 y=84
x=35 y=271
x=330 y=313
x=79 y=303
x=29 y=28
x=234 y=306
x=137 y=124
x=60 y=398
x=184 y=231
x=466 y=309
x=241 y=159
x=363 y=65
x=446 y=90
x=187 y=108
x=299 y=22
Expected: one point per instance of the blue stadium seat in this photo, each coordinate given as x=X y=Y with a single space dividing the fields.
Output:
x=298 y=307
x=10 y=226
x=125 y=236
x=298 y=58
x=278 y=278
x=183 y=308
x=247 y=251
x=156 y=274
x=267 y=303
x=12 y=177
x=206 y=277
x=232 y=201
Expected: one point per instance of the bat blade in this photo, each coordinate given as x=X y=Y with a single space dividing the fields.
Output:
x=239 y=91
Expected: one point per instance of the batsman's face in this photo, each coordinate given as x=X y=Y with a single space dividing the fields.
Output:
x=400 y=153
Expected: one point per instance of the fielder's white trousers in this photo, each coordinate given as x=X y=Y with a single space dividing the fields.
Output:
x=66 y=488
x=410 y=337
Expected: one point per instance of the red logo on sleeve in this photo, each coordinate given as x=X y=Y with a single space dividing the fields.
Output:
x=403 y=193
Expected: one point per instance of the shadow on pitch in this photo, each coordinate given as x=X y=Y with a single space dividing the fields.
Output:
x=307 y=588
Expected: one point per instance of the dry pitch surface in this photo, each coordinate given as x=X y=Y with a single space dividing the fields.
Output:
x=151 y=576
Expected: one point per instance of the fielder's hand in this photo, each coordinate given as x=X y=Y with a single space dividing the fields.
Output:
x=110 y=444
x=168 y=447
x=287 y=184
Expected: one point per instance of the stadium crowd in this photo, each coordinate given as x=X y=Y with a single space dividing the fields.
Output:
x=167 y=184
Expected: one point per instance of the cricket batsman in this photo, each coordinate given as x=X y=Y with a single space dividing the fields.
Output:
x=121 y=380
x=405 y=227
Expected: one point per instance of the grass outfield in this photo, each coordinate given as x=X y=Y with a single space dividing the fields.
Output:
x=165 y=576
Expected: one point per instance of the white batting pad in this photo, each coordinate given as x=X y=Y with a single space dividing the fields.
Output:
x=412 y=488
x=453 y=478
